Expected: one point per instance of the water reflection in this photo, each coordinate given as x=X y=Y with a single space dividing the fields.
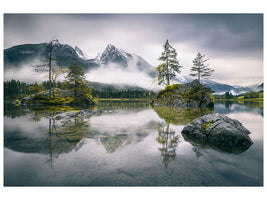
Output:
x=179 y=115
x=122 y=105
x=52 y=137
x=63 y=129
x=133 y=145
x=118 y=129
x=169 y=141
x=225 y=107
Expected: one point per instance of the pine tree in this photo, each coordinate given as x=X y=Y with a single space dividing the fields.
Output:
x=169 y=67
x=200 y=68
x=76 y=81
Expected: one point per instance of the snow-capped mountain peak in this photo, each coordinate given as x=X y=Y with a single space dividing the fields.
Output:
x=80 y=53
x=113 y=55
x=55 y=42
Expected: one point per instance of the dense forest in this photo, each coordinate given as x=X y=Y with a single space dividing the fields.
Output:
x=15 y=89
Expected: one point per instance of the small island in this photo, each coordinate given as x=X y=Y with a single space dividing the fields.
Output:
x=75 y=90
x=191 y=94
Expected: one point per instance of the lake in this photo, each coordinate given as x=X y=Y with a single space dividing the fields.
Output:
x=126 y=144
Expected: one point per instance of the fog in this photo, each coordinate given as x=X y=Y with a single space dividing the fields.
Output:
x=116 y=74
x=110 y=74
x=24 y=73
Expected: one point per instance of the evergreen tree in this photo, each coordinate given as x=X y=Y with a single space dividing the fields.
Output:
x=200 y=68
x=169 y=66
x=76 y=81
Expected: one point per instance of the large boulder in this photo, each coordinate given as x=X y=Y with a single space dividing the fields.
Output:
x=218 y=131
x=191 y=94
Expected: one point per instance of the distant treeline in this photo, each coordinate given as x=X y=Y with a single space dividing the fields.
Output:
x=248 y=95
x=15 y=89
x=122 y=94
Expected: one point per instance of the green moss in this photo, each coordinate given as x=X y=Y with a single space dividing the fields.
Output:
x=168 y=91
x=191 y=93
x=207 y=125
x=52 y=101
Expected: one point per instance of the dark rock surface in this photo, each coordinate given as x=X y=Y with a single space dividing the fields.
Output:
x=218 y=131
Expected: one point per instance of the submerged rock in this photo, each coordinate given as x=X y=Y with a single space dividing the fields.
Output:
x=86 y=113
x=218 y=131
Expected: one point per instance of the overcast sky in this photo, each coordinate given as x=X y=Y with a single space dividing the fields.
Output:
x=232 y=42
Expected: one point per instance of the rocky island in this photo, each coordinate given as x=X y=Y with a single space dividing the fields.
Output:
x=191 y=94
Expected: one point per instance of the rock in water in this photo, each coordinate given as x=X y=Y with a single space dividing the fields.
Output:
x=218 y=131
x=191 y=94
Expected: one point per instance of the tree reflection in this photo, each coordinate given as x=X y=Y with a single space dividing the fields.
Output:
x=169 y=141
x=54 y=136
x=66 y=135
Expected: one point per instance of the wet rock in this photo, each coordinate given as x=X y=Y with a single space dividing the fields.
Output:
x=218 y=131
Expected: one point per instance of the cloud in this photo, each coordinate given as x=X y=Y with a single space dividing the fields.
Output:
x=240 y=71
x=220 y=36
x=24 y=73
x=115 y=74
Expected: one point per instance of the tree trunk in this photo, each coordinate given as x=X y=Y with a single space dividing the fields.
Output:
x=50 y=69
x=168 y=76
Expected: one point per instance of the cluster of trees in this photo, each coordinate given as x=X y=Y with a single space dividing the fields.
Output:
x=14 y=89
x=74 y=80
x=248 y=95
x=170 y=66
x=253 y=95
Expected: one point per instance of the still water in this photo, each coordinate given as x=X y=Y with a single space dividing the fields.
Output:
x=127 y=144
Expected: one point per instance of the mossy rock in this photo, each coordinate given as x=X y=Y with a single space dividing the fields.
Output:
x=191 y=94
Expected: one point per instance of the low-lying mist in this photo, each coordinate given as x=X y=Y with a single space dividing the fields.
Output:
x=23 y=73
x=109 y=74
x=115 y=74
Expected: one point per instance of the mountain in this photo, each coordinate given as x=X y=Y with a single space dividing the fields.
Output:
x=30 y=54
x=113 y=55
x=220 y=88
x=257 y=88
x=80 y=53
x=65 y=55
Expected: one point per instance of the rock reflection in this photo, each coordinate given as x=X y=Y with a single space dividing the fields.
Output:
x=180 y=115
x=169 y=141
x=200 y=147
